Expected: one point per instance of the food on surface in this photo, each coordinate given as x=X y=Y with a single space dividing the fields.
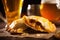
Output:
x=34 y=22
x=17 y=26
x=40 y=24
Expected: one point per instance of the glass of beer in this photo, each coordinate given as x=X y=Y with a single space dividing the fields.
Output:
x=50 y=10
x=12 y=9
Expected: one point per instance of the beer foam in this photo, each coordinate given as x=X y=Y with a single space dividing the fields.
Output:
x=58 y=4
x=48 y=1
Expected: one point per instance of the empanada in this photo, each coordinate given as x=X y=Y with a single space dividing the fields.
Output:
x=35 y=22
x=40 y=24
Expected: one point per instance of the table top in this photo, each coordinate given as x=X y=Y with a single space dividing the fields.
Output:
x=25 y=36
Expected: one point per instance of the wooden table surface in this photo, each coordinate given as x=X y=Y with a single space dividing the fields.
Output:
x=4 y=35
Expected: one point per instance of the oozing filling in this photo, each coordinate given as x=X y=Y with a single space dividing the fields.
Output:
x=39 y=25
x=36 y=23
x=32 y=21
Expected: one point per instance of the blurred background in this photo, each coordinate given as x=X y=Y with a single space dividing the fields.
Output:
x=2 y=8
x=35 y=10
x=24 y=10
x=2 y=13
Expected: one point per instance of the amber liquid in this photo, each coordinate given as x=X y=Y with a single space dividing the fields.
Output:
x=12 y=10
x=50 y=11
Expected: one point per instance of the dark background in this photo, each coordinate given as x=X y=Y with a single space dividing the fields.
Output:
x=1 y=8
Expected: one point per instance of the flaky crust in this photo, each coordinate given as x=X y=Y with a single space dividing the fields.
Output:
x=45 y=24
x=35 y=22
x=17 y=26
